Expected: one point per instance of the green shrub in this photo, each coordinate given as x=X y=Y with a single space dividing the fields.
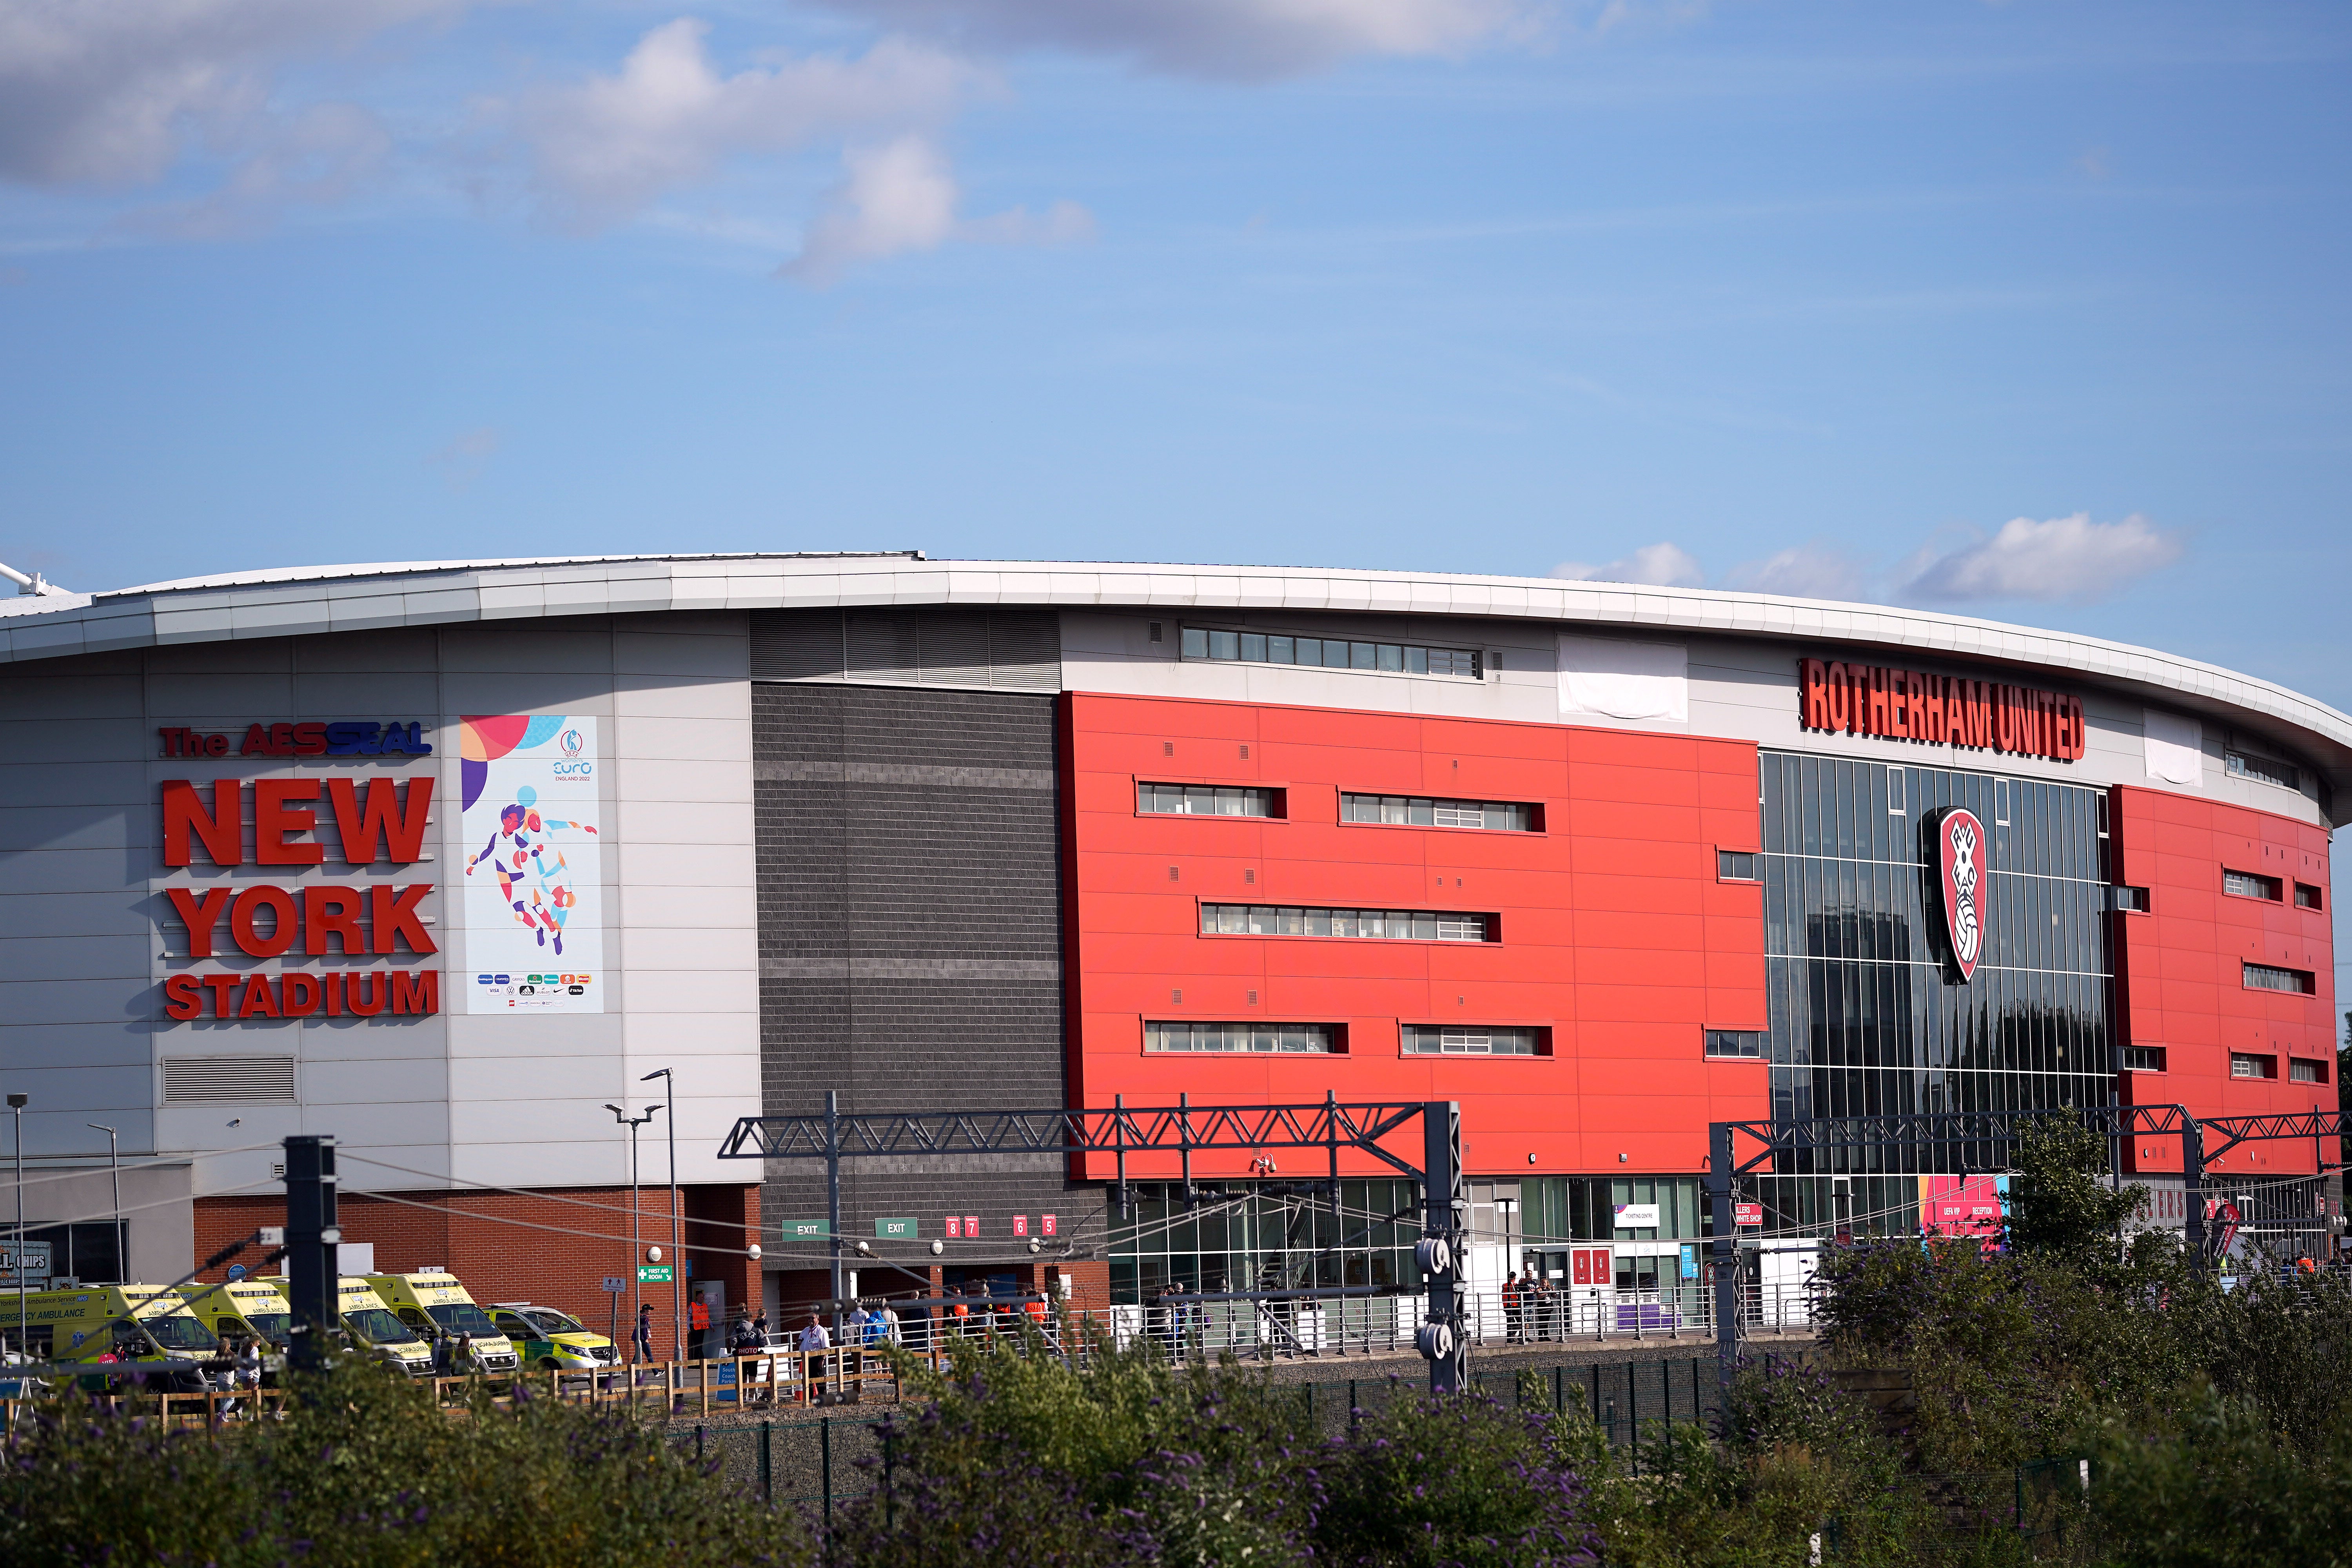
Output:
x=365 y=1471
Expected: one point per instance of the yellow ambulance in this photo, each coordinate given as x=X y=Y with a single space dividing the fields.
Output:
x=142 y=1330
x=435 y=1305
x=370 y=1326
x=552 y=1341
x=244 y=1309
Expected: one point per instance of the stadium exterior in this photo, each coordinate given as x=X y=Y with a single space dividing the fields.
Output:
x=445 y=859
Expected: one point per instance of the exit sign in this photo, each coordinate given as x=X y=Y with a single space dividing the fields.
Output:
x=817 y=1227
x=896 y=1229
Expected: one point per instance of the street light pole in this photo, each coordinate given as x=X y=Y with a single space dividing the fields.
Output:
x=16 y=1104
x=676 y=1240
x=114 y=1169
x=636 y=1230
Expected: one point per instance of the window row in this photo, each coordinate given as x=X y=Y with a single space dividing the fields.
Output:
x=2265 y=770
x=1422 y=811
x=1391 y=925
x=2254 y=885
x=1249 y=1038
x=2270 y=977
x=1868 y=811
x=1206 y=800
x=2242 y=1065
x=1748 y=1045
x=1332 y=653
x=1408 y=811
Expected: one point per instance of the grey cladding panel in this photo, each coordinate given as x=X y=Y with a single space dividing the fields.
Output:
x=927 y=645
x=909 y=922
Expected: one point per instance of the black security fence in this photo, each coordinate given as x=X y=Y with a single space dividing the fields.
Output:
x=1641 y=1407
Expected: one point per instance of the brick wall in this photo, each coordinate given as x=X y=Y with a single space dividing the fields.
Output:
x=507 y=1262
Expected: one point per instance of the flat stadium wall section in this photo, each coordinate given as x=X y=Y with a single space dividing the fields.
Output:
x=2223 y=917
x=91 y=935
x=1614 y=935
x=910 y=949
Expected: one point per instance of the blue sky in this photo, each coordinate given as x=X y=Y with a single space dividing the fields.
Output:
x=2028 y=310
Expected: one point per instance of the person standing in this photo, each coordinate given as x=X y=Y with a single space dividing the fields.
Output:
x=814 y=1342
x=644 y=1335
x=1511 y=1309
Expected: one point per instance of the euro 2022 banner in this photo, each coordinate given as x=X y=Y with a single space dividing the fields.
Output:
x=534 y=901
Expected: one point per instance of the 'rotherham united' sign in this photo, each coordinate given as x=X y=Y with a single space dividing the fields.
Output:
x=1942 y=709
x=1961 y=862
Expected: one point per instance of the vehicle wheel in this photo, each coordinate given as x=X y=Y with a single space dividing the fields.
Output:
x=549 y=1364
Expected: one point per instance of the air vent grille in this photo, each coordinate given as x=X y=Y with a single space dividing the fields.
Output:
x=228 y=1080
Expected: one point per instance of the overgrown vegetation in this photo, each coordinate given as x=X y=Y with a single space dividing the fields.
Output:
x=2078 y=1400
x=365 y=1471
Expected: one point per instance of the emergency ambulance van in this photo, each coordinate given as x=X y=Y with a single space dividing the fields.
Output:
x=550 y=1341
x=437 y=1307
x=370 y=1326
x=116 y=1330
x=244 y=1309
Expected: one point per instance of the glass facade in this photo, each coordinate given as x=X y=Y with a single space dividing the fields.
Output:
x=1265 y=1241
x=1867 y=1019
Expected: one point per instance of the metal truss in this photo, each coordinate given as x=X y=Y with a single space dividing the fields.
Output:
x=1182 y=1130
x=1977 y=1131
x=2233 y=1130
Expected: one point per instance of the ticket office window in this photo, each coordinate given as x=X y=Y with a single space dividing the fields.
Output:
x=1637 y=1273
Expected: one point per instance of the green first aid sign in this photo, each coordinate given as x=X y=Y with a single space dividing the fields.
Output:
x=894 y=1229
x=653 y=1273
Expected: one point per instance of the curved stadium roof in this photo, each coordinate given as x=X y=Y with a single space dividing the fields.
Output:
x=310 y=600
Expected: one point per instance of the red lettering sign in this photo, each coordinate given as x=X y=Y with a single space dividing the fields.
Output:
x=1940 y=710
x=256 y=995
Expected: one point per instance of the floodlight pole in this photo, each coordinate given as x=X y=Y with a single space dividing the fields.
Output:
x=636 y=1225
x=16 y=1104
x=676 y=1242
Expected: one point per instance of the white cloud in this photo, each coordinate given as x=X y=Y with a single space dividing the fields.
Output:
x=1247 y=39
x=1665 y=565
x=315 y=156
x=605 y=148
x=901 y=197
x=2061 y=558
x=1813 y=570
x=109 y=91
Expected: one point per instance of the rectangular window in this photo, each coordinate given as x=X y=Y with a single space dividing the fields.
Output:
x=1738 y=866
x=1383 y=925
x=1206 y=800
x=2253 y=1066
x=2306 y=897
x=2269 y=977
x=1332 y=653
x=2299 y=1071
x=2247 y=885
x=2264 y=769
x=1425 y=811
x=1460 y=1040
x=2133 y=900
x=1251 y=1038
x=2143 y=1058
x=1744 y=1045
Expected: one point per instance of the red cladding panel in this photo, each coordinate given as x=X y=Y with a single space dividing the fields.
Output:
x=2180 y=981
x=1615 y=934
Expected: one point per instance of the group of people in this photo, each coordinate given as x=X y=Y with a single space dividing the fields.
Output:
x=1533 y=1310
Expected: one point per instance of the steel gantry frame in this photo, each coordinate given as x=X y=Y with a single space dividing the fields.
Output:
x=1182 y=1130
x=1976 y=1141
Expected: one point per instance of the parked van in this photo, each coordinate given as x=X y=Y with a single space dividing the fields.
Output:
x=370 y=1326
x=552 y=1341
x=438 y=1308
x=244 y=1309
x=146 y=1328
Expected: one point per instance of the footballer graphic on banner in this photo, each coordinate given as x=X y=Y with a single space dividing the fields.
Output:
x=534 y=873
x=1962 y=862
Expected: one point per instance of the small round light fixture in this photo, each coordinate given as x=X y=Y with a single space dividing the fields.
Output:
x=752 y=1252
x=938 y=1247
x=652 y=1255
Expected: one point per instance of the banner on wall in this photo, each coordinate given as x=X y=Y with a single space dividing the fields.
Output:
x=533 y=884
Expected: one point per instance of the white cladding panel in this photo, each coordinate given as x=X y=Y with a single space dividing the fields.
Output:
x=87 y=934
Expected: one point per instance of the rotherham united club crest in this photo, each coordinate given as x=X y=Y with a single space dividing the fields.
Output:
x=1961 y=856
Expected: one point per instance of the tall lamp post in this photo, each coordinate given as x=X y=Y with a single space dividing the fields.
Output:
x=636 y=1230
x=16 y=1104
x=676 y=1239
x=114 y=1169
